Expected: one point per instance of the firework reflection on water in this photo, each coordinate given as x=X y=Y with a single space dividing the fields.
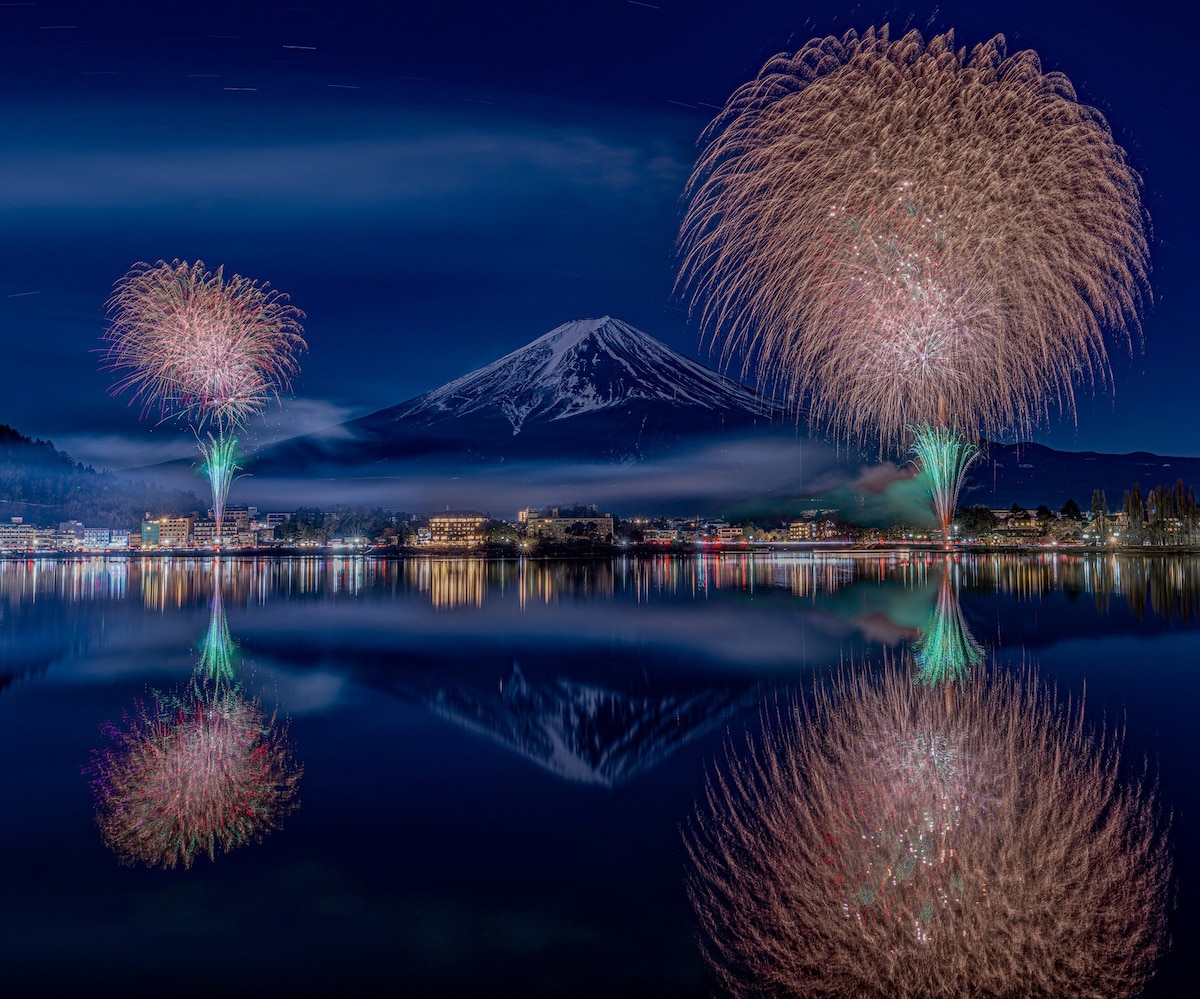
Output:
x=892 y=841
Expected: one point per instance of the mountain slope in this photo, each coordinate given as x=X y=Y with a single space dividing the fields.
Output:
x=589 y=389
x=580 y=367
x=1029 y=474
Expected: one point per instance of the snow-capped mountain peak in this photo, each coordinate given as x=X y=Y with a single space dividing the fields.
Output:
x=582 y=366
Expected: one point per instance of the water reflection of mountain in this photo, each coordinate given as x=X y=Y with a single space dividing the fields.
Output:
x=601 y=718
x=581 y=731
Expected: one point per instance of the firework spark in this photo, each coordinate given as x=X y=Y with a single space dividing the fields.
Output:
x=944 y=458
x=896 y=843
x=185 y=778
x=213 y=351
x=898 y=233
x=218 y=649
x=189 y=342
x=220 y=465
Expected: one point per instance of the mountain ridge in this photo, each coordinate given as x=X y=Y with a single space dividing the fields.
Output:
x=597 y=389
x=548 y=378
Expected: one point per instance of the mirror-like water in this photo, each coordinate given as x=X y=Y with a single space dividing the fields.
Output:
x=463 y=776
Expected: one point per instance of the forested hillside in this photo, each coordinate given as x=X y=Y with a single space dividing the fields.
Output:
x=45 y=486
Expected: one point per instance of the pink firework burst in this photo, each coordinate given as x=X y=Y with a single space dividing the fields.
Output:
x=896 y=842
x=193 y=343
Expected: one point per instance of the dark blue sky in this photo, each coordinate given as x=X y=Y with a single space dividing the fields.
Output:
x=437 y=184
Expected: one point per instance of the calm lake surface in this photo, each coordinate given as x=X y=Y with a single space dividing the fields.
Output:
x=498 y=756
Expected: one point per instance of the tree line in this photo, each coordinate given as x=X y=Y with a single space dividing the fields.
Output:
x=44 y=485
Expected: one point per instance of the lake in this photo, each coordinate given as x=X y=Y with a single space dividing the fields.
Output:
x=460 y=776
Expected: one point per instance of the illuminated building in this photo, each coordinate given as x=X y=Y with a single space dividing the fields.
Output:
x=457 y=529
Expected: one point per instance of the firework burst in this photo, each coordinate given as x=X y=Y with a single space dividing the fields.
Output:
x=898 y=233
x=212 y=350
x=192 y=343
x=892 y=842
x=189 y=777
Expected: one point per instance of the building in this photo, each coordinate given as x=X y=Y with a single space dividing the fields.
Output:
x=802 y=530
x=175 y=532
x=204 y=533
x=556 y=528
x=167 y=532
x=234 y=521
x=457 y=529
x=18 y=536
x=97 y=537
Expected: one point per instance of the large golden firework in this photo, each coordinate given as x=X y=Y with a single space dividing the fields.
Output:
x=902 y=232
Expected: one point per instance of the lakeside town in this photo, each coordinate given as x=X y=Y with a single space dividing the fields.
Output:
x=1162 y=519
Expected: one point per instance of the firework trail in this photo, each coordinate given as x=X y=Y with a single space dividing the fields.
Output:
x=211 y=350
x=944 y=458
x=946 y=650
x=218 y=649
x=897 y=233
x=893 y=843
x=187 y=777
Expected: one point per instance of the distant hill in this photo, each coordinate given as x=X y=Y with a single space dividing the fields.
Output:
x=1030 y=474
x=45 y=486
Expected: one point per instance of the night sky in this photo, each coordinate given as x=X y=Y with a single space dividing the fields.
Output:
x=437 y=184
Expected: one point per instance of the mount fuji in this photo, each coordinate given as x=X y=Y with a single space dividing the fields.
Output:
x=592 y=389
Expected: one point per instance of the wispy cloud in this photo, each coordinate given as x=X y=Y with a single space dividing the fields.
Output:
x=297 y=418
x=170 y=442
x=706 y=479
x=423 y=165
x=118 y=452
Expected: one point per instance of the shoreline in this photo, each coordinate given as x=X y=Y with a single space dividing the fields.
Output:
x=498 y=553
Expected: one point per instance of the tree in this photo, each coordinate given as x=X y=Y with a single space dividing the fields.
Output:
x=1070 y=510
x=581 y=529
x=1101 y=522
x=500 y=532
x=1135 y=515
x=976 y=521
